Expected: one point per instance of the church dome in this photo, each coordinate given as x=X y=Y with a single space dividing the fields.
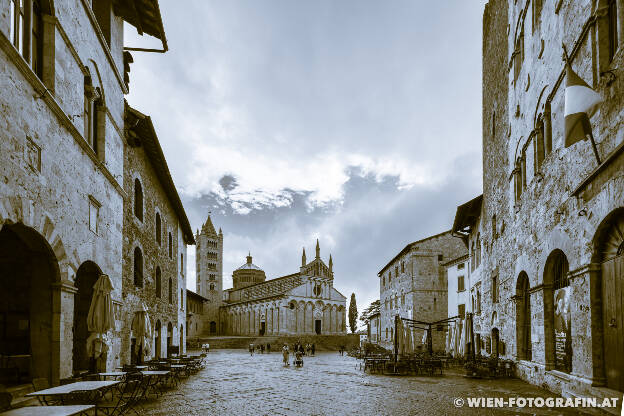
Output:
x=248 y=274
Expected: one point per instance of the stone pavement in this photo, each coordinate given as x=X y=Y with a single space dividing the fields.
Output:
x=234 y=383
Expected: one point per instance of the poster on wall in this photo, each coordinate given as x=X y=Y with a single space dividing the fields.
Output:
x=563 y=333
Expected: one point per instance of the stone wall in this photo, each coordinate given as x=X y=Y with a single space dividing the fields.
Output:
x=548 y=215
x=142 y=234
x=48 y=173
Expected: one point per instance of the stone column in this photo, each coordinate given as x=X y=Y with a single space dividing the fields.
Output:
x=597 y=330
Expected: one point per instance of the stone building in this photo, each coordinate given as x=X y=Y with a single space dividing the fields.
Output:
x=413 y=285
x=467 y=226
x=156 y=232
x=194 y=314
x=209 y=272
x=61 y=174
x=301 y=303
x=553 y=216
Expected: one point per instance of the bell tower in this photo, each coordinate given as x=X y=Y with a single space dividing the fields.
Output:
x=209 y=273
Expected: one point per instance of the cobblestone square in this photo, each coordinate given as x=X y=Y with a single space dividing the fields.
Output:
x=235 y=383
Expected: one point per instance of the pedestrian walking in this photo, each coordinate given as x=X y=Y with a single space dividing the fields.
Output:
x=285 y=355
x=313 y=349
x=268 y=348
x=262 y=348
x=251 y=349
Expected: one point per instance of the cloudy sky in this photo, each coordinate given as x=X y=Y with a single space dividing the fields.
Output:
x=354 y=122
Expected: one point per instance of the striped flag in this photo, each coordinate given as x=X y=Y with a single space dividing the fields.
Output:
x=581 y=102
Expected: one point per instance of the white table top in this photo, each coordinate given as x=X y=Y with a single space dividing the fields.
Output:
x=68 y=388
x=48 y=410
x=155 y=373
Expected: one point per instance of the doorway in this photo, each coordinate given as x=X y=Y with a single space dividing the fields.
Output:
x=169 y=338
x=86 y=277
x=213 y=327
x=262 y=328
x=28 y=268
x=495 y=342
x=157 y=339
x=317 y=326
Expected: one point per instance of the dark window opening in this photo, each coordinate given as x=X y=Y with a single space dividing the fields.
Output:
x=138 y=267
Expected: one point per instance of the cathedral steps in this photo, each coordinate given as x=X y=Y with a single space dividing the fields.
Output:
x=321 y=342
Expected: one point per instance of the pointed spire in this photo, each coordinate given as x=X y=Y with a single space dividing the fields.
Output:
x=208 y=228
x=249 y=258
x=303 y=258
x=220 y=232
x=318 y=249
x=331 y=263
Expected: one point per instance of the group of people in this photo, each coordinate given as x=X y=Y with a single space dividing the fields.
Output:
x=260 y=348
x=299 y=350
x=342 y=349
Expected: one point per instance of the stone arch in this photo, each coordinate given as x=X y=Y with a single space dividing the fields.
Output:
x=606 y=272
x=17 y=210
x=35 y=292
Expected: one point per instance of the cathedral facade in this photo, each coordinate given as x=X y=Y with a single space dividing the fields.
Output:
x=302 y=303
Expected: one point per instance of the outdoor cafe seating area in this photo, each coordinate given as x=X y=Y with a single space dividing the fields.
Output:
x=108 y=393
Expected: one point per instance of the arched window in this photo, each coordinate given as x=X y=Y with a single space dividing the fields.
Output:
x=181 y=298
x=212 y=286
x=138 y=199
x=538 y=144
x=523 y=318
x=158 y=282
x=158 y=228
x=138 y=267
x=170 y=290
x=170 y=246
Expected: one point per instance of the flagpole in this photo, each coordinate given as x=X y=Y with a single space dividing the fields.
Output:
x=590 y=136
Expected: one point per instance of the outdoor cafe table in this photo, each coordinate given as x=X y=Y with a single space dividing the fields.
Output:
x=66 y=389
x=50 y=410
x=112 y=374
x=138 y=367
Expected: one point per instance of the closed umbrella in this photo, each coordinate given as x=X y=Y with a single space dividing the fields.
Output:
x=100 y=318
x=462 y=341
x=142 y=328
x=408 y=340
x=447 y=344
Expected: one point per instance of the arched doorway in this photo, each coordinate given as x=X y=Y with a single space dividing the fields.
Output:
x=495 y=337
x=557 y=313
x=87 y=275
x=169 y=338
x=523 y=318
x=213 y=327
x=158 y=339
x=607 y=299
x=28 y=268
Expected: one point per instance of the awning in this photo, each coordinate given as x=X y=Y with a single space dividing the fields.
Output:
x=467 y=215
x=144 y=15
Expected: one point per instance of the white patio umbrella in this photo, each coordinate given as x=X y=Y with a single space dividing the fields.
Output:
x=449 y=334
x=462 y=341
x=457 y=338
x=141 y=327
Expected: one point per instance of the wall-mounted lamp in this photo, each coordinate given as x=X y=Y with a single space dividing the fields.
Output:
x=609 y=76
